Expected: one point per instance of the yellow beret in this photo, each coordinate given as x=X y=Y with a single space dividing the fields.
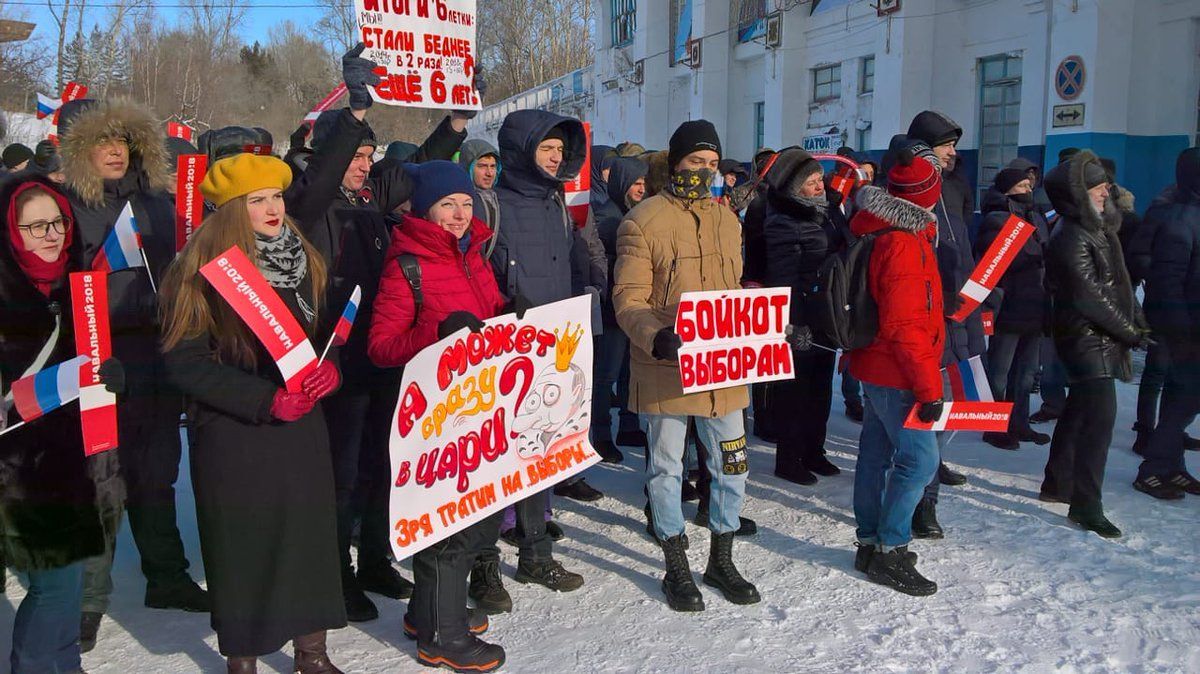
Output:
x=242 y=174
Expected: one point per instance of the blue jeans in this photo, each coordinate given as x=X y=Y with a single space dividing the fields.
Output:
x=46 y=628
x=1012 y=367
x=725 y=438
x=894 y=466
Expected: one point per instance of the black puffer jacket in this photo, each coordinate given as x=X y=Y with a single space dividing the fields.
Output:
x=623 y=173
x=755 y=269
x=1173 y=278
x=798 y=236
x=1095 y=317
x=350 y=230
x=1025 y=303
x=48 y=515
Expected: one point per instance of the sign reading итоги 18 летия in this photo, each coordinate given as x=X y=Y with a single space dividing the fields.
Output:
x=425 y=50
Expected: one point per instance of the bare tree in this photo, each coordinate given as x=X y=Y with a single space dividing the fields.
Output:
x=524 y=43
x=61 y=13
x=337 y=27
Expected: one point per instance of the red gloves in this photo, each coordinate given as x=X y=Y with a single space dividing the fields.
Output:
x=291 y=406
x=321 y=381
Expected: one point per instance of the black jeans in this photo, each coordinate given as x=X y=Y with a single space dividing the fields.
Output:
x=802 y=406
x=150 y=452
x=1154 y=377
x=359 y=420
x=1180 y=404
x=1012 y=363
x=438 y=608
x=1079 y=451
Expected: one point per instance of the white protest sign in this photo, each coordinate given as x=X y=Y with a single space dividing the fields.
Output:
x=733 y=338
x=487 y=419
x=425 y=50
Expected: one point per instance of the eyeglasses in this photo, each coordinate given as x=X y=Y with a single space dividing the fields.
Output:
x=38 y=229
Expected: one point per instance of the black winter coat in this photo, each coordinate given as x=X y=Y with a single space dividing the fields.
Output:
x=351 y=231
x=1095 y=317
x=48 y=515
x=623 y=173
x=533 y=254
x=955 y=264
x=1025 y=303
x=755 y=268
x=1173 y=278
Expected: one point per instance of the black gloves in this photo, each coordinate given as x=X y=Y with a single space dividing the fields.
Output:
x=666 y=344
x=518 y=305
x=457 y=321
x=358 y=73
x=928 y=412
x=296 y=140
x=112 y=375
x=799 y=337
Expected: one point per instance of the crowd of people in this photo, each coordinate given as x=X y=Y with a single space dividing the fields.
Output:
x=447 y=234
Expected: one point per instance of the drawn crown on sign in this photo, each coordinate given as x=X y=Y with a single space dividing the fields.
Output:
x=567 y=343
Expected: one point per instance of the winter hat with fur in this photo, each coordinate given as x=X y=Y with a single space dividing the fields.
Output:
x=91 y=123
x=915 y=179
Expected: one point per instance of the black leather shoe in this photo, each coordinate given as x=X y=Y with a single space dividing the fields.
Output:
x=949 y=477
x=894 y=569
x=796 y=474
x=359 y=609
x=1030 y=435
x=924 y=522
x=608 y=452
x=1001 y=441
x=385 y=580
x=1095 y=521
x=821 y=466
x=578 y=490
x=184 y=595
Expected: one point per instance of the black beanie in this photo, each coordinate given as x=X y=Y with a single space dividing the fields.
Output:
x=15 y=154
x=698 y=134
x=556 y=133
x=1187 y=170
x=1009 y=177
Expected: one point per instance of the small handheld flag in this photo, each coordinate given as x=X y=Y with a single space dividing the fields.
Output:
x=969 y=382
x=179 y=130
x=122 y=248
x=341 y=331
x=47 y=106
x=43 y=392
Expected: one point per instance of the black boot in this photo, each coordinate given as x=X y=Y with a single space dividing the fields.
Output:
x=608 y=452
x=1094 y=520
x=678 y=585
x=468 y=653
x=89 y=628
x=949 y=477
x=359 y=609
x=578 y=490
x=796 y=474
x=854 y=411
x=183 y=594
x=723 y=575
x=1030 y=435
x=821 y=466
x=924 y=521
x=894 y=569
x=1001 y=441
x=554 y=531
x=548 y=573
x=1158 y=488
x=746 y=526
x=385 y=580
x=864 y=553
x=487 y=589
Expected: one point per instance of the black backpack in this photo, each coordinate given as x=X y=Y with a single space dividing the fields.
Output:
x=845 y=311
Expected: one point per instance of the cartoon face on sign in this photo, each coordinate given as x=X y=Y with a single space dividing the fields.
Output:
x=557 y=403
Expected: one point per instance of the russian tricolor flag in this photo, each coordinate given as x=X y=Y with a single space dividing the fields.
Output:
x=123 y=247
x=969 y=382
x=48 y=390
x=341 y=331
x=46 y=106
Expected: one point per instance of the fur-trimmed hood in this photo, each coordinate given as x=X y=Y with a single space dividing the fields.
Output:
x=111 y=119
x=1066 y=185
x=658 y=174
x=878 y=209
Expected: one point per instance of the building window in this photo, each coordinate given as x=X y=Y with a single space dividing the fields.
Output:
x=680 y=25
x=827 y=83
x=760 y=125
x=864 y=140
x=866 y=80
x=624 y=21
x=751 y=17
x=999 y=115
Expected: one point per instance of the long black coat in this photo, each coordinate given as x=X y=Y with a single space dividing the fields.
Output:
x=1095 y=317
x=264 y=501
x=351 y=230
x=1025 y=303
x=1173 y=272
x=799 y=238
x=48 y=515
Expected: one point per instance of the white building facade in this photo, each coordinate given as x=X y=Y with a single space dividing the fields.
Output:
x=1022 y=77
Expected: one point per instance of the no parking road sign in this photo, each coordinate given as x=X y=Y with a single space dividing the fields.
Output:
x=1070 y=77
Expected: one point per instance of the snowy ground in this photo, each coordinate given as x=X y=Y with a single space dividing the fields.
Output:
x=1020 y=587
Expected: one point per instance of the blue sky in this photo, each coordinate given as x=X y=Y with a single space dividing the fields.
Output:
x=260 y=15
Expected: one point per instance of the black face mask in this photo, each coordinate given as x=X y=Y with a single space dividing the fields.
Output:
x=1025 y=199
x=692 y=184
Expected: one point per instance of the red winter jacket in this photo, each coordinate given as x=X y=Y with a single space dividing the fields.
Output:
x=904 y=280
x=450 y=281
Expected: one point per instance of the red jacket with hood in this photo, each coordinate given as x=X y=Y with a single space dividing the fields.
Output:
x=904 y=280
x=450 y=281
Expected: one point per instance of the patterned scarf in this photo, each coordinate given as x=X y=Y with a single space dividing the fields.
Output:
x=691 y=184
x=282 y=261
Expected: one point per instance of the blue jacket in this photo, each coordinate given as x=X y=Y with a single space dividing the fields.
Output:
x=533 y=248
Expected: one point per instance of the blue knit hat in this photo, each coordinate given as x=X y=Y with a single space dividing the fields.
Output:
x=434 y=180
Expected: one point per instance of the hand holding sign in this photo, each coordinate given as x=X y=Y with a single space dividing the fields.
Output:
x=732 y=338
x=992 y=266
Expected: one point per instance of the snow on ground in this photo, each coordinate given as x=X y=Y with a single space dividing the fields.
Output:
x=1020 y=587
